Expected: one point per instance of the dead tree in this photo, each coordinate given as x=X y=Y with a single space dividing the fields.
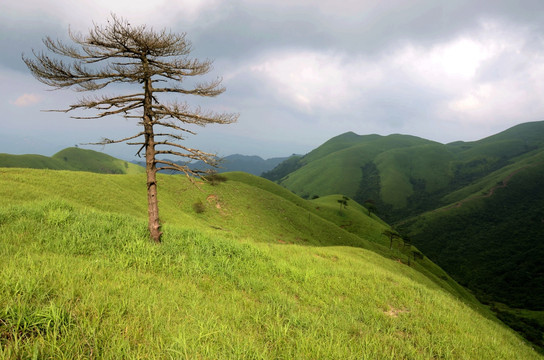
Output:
x=155 y=62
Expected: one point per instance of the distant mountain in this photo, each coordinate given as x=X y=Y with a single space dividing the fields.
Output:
x=72 y=159
x=250 y=164
x=402 y=174
x=282 y=169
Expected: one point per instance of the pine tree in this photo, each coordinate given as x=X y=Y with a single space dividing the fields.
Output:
x=156 y=63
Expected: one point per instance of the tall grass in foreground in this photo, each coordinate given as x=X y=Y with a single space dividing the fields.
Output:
x=79 y=283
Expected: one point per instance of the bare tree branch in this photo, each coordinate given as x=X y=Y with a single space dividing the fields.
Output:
x=121 y=53
x=106 y=141
x=173 y=126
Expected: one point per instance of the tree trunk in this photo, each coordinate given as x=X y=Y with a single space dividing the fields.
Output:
x=152 y=201
x=151 y=167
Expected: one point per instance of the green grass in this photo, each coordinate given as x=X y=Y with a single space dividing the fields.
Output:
x=89 y=160
x=249 y=278
x=428 y=164
x=484 y=184
x=399 y=158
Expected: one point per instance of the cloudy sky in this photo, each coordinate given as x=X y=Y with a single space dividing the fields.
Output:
x=299 y=71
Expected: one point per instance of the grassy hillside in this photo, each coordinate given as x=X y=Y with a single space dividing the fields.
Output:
x=335 y=167
x=93 y=161
x=492 y=237
x=72 y=159
x=405 y=175
x=252 y=272
x=31 y=161
x=491 y=242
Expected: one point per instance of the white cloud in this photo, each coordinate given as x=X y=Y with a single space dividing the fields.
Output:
x=312 y=80
x=491 y=78
x=27 y=100
x=474 y=100
x=506 y=86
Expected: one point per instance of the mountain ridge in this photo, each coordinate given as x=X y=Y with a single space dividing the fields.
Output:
x=405 y=167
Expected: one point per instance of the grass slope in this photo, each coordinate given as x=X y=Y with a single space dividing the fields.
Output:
x=478 y=241
x=491 y=245
x=93 y=161
x=72 y=159
x=258 y=274
x=32 y=161
x=491 y=241
x=335 y=167
x=405 y=175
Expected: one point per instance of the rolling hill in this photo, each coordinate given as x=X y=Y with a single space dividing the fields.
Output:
x=475 y=208
x=492 y=242
x=73 y=158
x=253 y=271
x=404 y=175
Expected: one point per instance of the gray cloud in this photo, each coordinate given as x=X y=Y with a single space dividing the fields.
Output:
x=300 y=72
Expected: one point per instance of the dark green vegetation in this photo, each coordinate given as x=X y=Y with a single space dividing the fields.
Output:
x=475 y=208
x=256 y=273
x=493 y=244
x=282 y=169
x=72 y=159
x=492 y=240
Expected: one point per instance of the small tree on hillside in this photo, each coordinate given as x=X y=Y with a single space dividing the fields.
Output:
x=370 y=205
x=391 y=235
x=343 y=202
x=406 y=241
x=155 y=62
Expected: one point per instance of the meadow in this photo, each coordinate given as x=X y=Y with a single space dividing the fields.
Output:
x=253 y=272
